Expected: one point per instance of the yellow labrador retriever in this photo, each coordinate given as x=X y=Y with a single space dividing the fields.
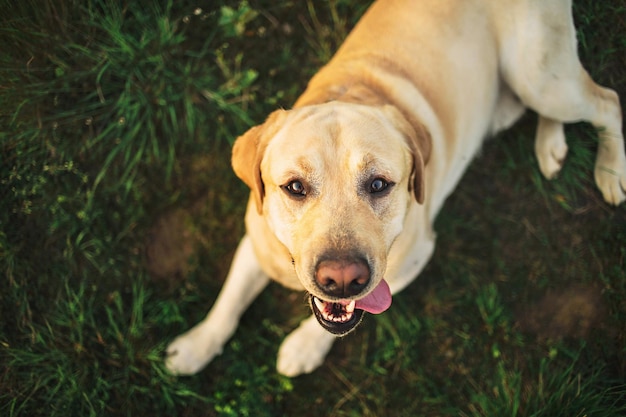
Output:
x=346 y=185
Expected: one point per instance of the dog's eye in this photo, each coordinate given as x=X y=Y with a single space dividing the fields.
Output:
x=378 y=185
x=295 y=188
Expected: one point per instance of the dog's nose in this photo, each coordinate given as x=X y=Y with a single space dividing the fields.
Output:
x=340 y=278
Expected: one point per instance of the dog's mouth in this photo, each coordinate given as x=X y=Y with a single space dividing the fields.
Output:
x=339 y=317
x=342 y=316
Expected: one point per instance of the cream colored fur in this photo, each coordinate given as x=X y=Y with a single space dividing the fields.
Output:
x=410 y=96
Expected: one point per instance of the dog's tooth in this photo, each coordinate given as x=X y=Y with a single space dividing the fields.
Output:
x=322 y=307
x=350 y=307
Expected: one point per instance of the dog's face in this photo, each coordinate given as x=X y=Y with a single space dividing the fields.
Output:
x=334 y=184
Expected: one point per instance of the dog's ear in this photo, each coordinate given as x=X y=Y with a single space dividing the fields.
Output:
x=420 y=145
x=416 y=181
x=419 y=141
x=248 y=152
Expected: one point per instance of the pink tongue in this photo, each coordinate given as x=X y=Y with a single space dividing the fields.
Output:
x=377 y=301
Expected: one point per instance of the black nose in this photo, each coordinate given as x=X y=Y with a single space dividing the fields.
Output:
x=342 y=278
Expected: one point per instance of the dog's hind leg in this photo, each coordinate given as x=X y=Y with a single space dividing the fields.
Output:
x=543 y=69
x=508 y=110
x=193 y=350
x=550 y=147
x=582 y=99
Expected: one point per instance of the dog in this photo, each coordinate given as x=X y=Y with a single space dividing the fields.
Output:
x=346 y=185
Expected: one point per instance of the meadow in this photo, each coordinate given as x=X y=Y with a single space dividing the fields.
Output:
x=119 y=214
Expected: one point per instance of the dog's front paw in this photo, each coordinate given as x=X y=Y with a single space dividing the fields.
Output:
x=193 y=350
x=610 y=177
x=304 y=349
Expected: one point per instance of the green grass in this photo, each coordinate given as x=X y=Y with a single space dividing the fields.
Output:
x=119 y=214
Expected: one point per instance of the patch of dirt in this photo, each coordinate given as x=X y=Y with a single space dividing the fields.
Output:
x=203 y=229
x=567 y=312
x=171 y=245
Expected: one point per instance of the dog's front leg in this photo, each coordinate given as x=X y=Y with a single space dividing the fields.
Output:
x=193 y=350
x=304 y=349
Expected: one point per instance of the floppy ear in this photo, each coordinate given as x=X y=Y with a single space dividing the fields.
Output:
x=248 y=152
x=419 y=142
x=416 y=181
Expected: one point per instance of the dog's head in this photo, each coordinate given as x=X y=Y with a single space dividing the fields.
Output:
x=334 y=183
